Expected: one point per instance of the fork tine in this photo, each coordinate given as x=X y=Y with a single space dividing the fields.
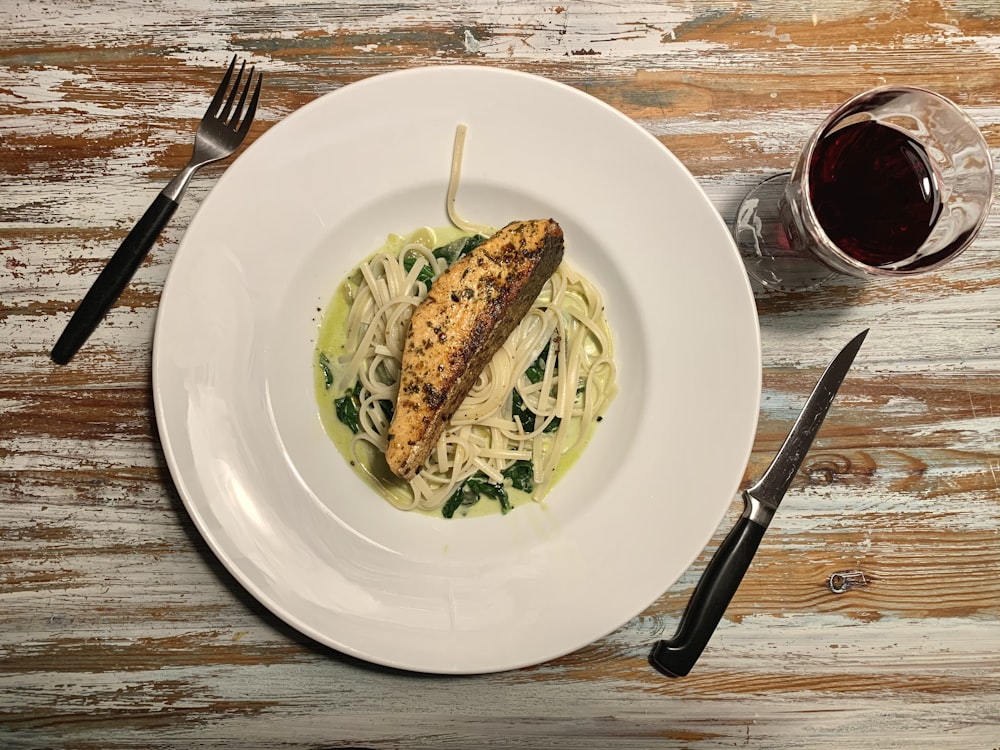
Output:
x=231 y=122
x=252 y=109
x=224 y=114
x=213 y=108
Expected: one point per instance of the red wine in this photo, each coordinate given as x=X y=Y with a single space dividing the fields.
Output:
x=875 y=193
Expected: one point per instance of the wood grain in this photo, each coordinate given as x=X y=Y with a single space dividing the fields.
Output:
x=119 y=628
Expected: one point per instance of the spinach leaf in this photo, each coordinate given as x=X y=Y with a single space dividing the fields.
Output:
x=347 y=407
x=481 y=485
x=426 y=274
x=324 y=365
x=449 y=252
x=457 y=248
x=388 y=408
x=464 y=494
x=470 y=492
x=521 y=475
x=471 y=243
x=520 y=410
x=453 y=503
x=535 y=373
x=528 y=417
x=536 y=370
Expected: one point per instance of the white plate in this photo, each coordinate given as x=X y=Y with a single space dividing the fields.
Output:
x=276 y=501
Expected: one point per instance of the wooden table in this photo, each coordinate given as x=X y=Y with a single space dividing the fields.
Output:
x=118 y=627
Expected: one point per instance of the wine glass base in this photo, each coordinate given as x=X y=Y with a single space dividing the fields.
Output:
x=763 y=243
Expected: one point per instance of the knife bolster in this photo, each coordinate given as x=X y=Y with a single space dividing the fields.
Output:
x=756 y=511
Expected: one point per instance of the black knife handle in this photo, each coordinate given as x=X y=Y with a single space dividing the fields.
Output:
x=675 y=657
x=113 y=279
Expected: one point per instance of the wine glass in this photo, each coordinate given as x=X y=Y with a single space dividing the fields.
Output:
x=896 y=181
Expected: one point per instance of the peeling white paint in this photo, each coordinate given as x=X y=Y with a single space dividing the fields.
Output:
x=772 y=33
x=982 y=433
x=903 y=406
x=471 y=43
x=131 y=578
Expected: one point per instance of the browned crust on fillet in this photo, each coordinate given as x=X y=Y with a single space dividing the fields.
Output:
x=467 y=315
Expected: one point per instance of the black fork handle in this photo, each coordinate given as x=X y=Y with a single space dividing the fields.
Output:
x=113 y=279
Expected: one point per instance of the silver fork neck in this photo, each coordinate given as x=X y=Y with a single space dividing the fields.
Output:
x=176 y=187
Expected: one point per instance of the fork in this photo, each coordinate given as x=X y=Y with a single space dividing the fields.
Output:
x=220 y=134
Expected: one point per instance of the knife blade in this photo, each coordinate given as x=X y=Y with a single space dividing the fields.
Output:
x=676 y=656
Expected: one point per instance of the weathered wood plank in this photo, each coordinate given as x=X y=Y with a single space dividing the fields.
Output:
x=119 y=628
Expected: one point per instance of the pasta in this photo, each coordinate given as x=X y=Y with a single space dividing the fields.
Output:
x=535 y=402
x=527 y=417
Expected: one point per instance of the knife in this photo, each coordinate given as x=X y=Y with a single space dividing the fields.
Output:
x=675 y=657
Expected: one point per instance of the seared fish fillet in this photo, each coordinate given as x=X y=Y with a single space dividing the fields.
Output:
x=467 y=315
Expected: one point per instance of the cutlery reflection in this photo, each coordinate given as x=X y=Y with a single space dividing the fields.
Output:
x=220 y=134
x=675 y=657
